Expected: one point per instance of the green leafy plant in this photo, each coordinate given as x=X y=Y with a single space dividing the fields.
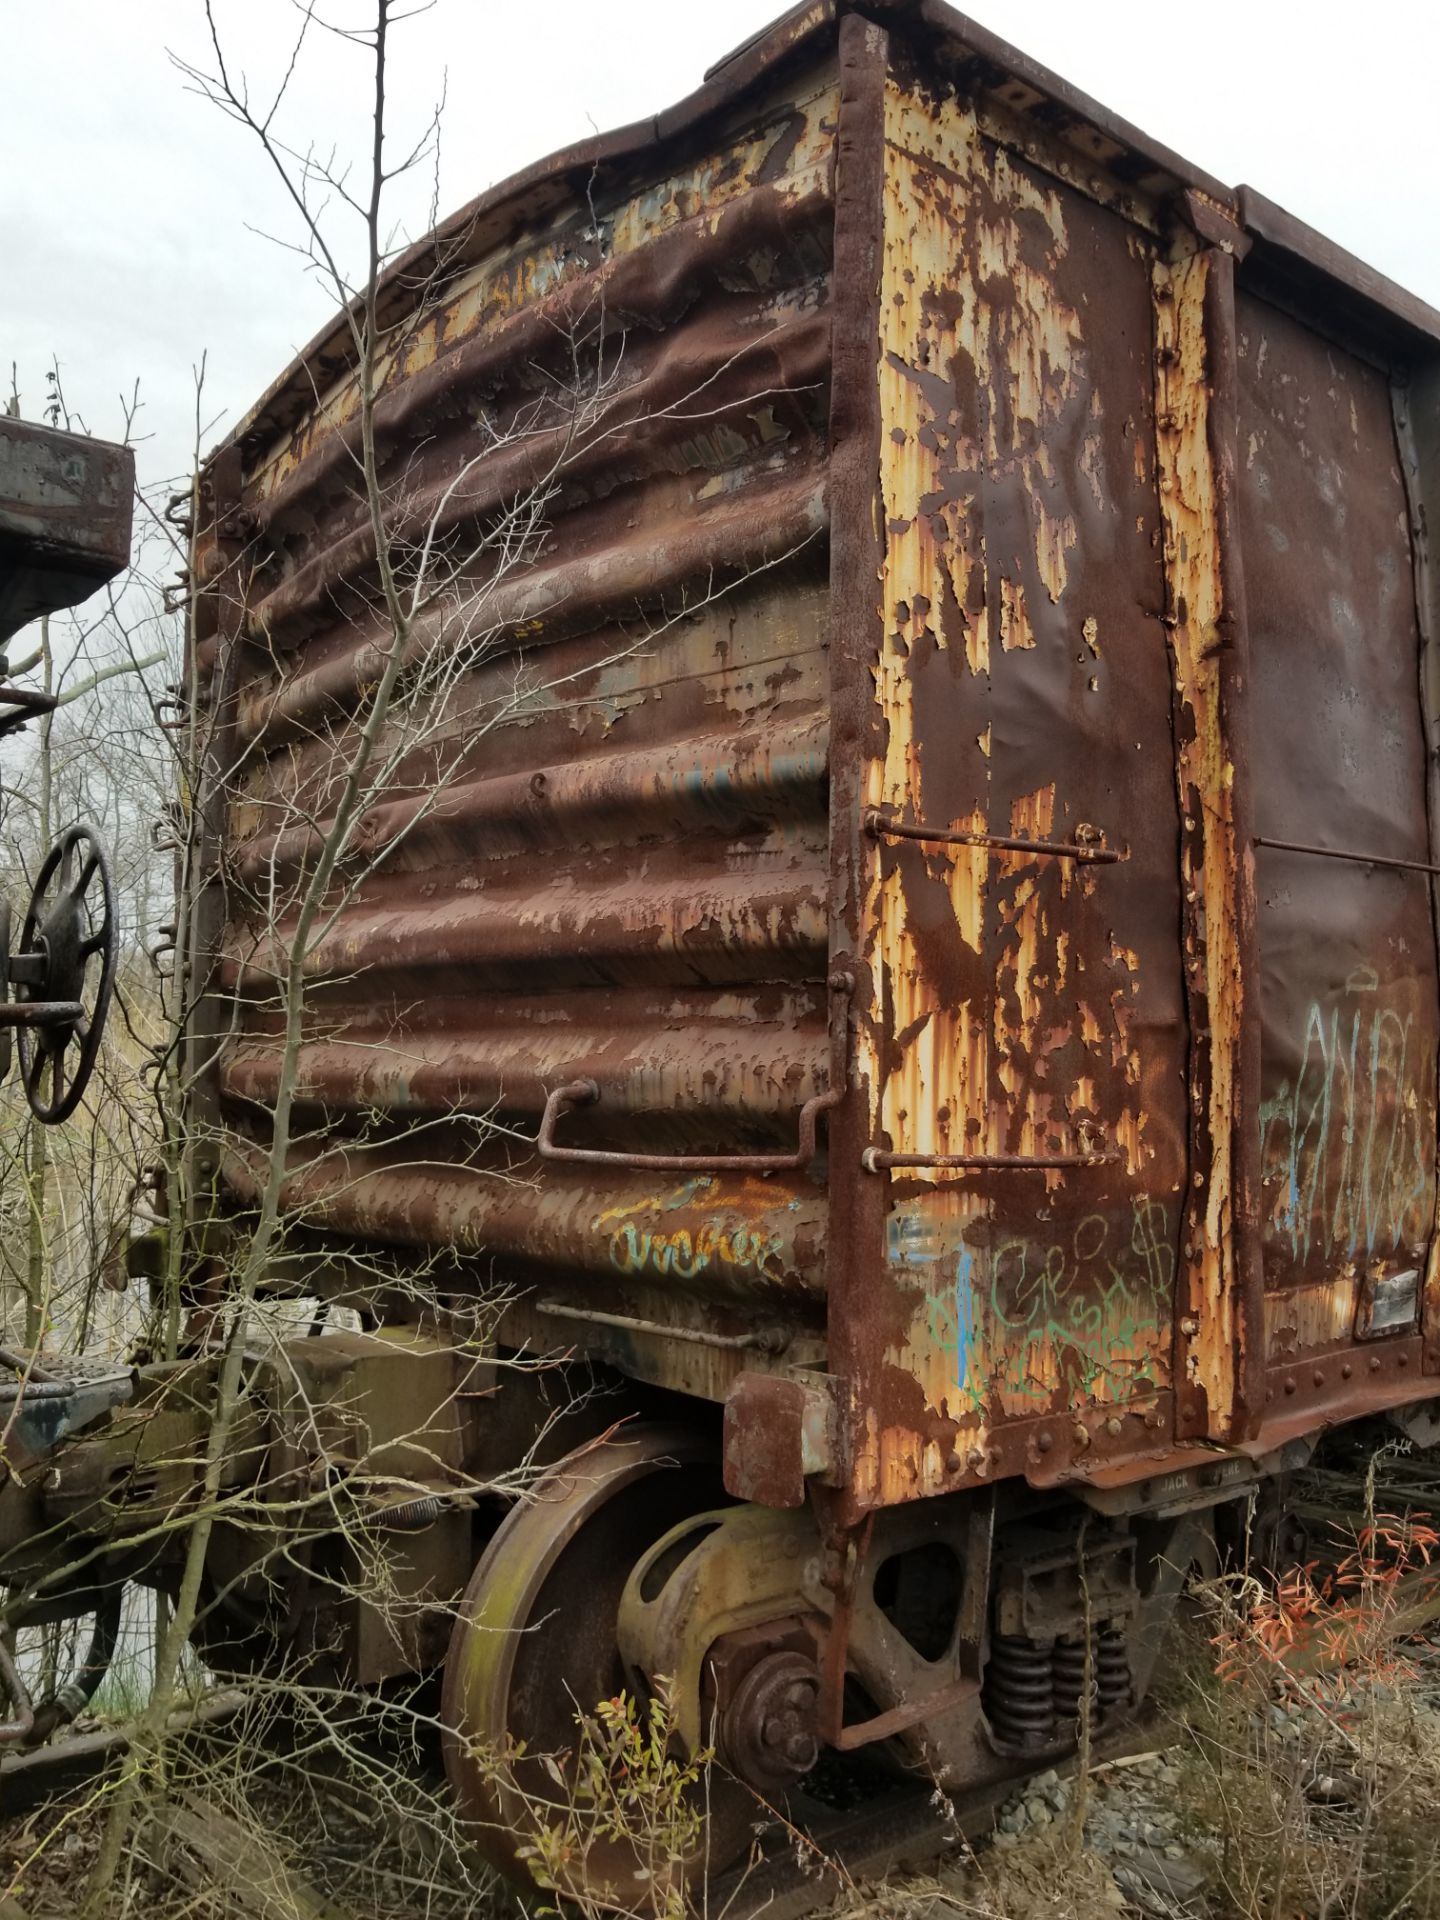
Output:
x=625 y=1788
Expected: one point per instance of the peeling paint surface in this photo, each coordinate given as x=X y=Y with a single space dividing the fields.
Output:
x=961 y=565
x=1209 y=1300
x=1027 y=1005
x=599 y=847
x=791 y=147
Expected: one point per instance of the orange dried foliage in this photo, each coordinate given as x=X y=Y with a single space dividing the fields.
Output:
x=1335 y=1623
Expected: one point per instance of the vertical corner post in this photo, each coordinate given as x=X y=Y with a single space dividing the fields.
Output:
x=1219 y=1360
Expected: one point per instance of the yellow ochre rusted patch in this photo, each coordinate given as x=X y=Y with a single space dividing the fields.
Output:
x=1189 y=505
x=1001 y=1035
x=517 y=275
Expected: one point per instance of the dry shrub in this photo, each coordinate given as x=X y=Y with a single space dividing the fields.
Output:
x=1311 y=1763
x=1051 y=1874
x=309 y=1806
x=624 y=1787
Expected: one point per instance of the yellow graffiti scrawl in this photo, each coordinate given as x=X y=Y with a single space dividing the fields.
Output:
x=638 y=1248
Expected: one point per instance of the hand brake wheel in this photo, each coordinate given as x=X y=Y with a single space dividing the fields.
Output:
x=64 y=973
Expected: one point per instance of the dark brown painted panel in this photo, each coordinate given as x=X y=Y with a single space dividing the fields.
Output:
x=1348 y=992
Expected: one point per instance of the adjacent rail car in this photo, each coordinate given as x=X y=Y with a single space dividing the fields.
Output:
x=894 y=927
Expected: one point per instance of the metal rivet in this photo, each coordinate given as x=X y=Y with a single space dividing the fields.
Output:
x=1318 y=1377
x=1289 y=1386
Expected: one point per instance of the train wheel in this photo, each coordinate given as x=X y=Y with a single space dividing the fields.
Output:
x=534 y=1648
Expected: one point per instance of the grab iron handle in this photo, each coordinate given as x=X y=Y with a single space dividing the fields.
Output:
x=585 y=1093
x=876 y=1160
x=1091 y=852
x=1089 y=1154
x=1346 y=853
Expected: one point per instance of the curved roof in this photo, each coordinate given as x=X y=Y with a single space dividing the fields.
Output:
x=1289 y=251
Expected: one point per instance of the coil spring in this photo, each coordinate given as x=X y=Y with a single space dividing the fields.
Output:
x=412 y=1516
x=1115 y=1682
x=1019 y=1691
x=1068 y=1666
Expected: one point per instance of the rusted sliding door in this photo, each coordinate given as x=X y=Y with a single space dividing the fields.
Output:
x=1416 y=396
x=1026 y=1047
x=1348 y=989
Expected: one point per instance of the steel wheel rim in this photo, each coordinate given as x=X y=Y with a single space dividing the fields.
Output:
x=492 y=1638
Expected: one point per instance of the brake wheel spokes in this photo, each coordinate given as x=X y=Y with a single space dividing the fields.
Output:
x=64 y=971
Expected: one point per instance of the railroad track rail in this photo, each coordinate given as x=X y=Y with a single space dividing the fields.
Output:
x=28 y=1779
x=902 y=1832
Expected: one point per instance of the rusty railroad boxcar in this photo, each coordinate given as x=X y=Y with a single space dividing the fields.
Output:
x=924 y=865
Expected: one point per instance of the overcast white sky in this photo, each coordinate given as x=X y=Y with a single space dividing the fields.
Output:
x=127 y=205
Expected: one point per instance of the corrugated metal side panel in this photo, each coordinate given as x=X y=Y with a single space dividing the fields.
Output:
x=603 y=832
x=1349 y=1018
x=1023 y=1005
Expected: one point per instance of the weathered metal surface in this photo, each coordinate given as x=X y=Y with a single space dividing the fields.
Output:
x=600 y=852
x=1417 y=425
x=779 y=1435
x=1344 y=298
x=733 y=1241
x=1025 y=1009
x=522 y=1653
x=65 y=511
x=957 y=487
x=1348 y=1019
x=1204 y=618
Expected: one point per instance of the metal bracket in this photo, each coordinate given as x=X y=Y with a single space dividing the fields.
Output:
x=780 y=1431
x=847 y=1556
x=1088 y=846
x=847 y=1553
x=759 y=1340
